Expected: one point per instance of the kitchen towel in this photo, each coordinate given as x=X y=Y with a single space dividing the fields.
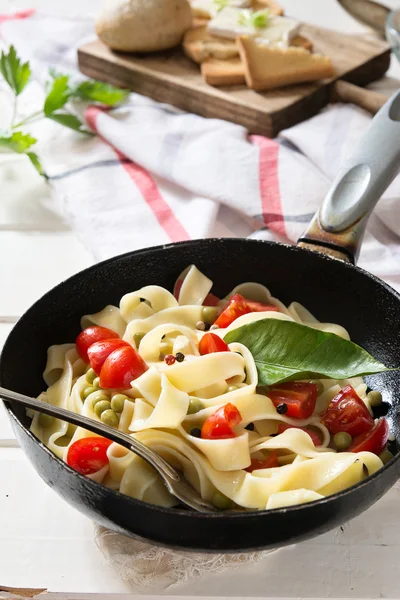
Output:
x=155 y=175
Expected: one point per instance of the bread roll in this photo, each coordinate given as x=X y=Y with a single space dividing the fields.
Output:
x=143 y=25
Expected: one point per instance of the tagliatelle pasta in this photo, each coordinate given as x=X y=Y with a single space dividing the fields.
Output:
x=270 y=460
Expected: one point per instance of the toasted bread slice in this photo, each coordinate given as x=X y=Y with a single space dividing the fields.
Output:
x=273 y=6
x=199 y=45
x=197 y=22
x=223 y=72
x=299 y=41
x=268 y=68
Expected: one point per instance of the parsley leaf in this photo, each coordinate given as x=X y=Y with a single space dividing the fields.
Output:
x=100 y=92
x=58 y=95
x=68 y=120
x=36 y=163
x=14 y=72
x=257 y=19
x=16 y=141
x=220 y=4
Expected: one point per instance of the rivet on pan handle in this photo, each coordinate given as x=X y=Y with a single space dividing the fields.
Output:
x=339 y=225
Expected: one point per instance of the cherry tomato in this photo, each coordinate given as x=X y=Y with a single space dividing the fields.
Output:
x=210 y=342
x=348 y=413
x=210 y=299
x=88 y=455
x=219 y=424
x=89 y=336
x=267 y=463
x=300 y=398
x=238 y=306
x=120 y=368
x=99 y=351
x=373 y=440
x=316 y=440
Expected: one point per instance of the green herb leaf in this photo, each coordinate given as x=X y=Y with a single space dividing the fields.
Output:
x=14 y=72
x=16 y=141
x=243 y=18
x=220 y=4
x=68 y=120
x=58 y=95
x=36 y=163
x=100 y=92
x=259 y=19
x=288 y=351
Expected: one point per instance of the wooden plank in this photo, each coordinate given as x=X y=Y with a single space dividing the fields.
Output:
x=172 y=78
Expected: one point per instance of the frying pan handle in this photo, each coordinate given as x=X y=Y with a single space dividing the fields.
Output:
x=339 y=226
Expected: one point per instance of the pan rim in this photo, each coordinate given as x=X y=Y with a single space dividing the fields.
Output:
x=248 y=515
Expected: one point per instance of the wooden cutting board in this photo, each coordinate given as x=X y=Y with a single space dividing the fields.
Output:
x=173 y=78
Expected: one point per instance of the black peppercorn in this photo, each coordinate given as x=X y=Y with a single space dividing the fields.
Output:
x=180 y=357
x=282 y=408
x=195 y=432
x=250 y=427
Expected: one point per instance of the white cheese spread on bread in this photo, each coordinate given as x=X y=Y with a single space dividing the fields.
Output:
x=207 y=9
x=232 y=22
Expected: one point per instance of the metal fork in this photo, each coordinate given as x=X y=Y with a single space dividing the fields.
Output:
x=173 y=479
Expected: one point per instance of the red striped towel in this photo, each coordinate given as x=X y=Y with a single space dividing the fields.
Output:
x=155 y=174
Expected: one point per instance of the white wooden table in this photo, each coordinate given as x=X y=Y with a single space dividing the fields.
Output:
x=44 y=542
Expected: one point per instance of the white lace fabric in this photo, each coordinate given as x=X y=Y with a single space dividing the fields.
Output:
x=152 y=568
x=146 y=566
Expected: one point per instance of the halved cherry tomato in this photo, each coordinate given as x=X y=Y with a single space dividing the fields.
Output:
x=99 y=351
x=210 y=342
x=238 y=306
x=210 y=299
x=267 y=463
x=89 y=336
x=348 y=413
x=373 y=440
x=88 y=455
x=121 y=367
x=316 y=440
x=300 y=398
x=219 y=424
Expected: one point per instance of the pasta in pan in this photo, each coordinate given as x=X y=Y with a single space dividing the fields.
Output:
x=198 y=402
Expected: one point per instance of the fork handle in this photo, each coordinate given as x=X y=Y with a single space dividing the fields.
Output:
x=153 y=458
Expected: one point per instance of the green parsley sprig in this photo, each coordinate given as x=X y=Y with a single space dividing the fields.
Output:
x=56 y=106
x=259 y=19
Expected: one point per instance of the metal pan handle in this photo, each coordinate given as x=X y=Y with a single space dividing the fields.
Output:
x=339 y=226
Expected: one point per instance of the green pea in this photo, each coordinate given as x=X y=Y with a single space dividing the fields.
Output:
x=374 y=398
x=87 y=391
x=231 y=388
x=90 y=376
x=209 y=314
x=342 y=440
x=385 y=456
x=46 y=420
x=109 y=417
x=101 y=406
x=221 y=501
x=320 y=386
x=100 y=398
x=117 y=402
x=194 y=406
x=96 y=382
x=137 y=338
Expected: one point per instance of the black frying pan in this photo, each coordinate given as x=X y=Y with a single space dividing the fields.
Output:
x=334 y=290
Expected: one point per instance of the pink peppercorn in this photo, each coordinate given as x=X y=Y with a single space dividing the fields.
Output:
x=170 y=359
